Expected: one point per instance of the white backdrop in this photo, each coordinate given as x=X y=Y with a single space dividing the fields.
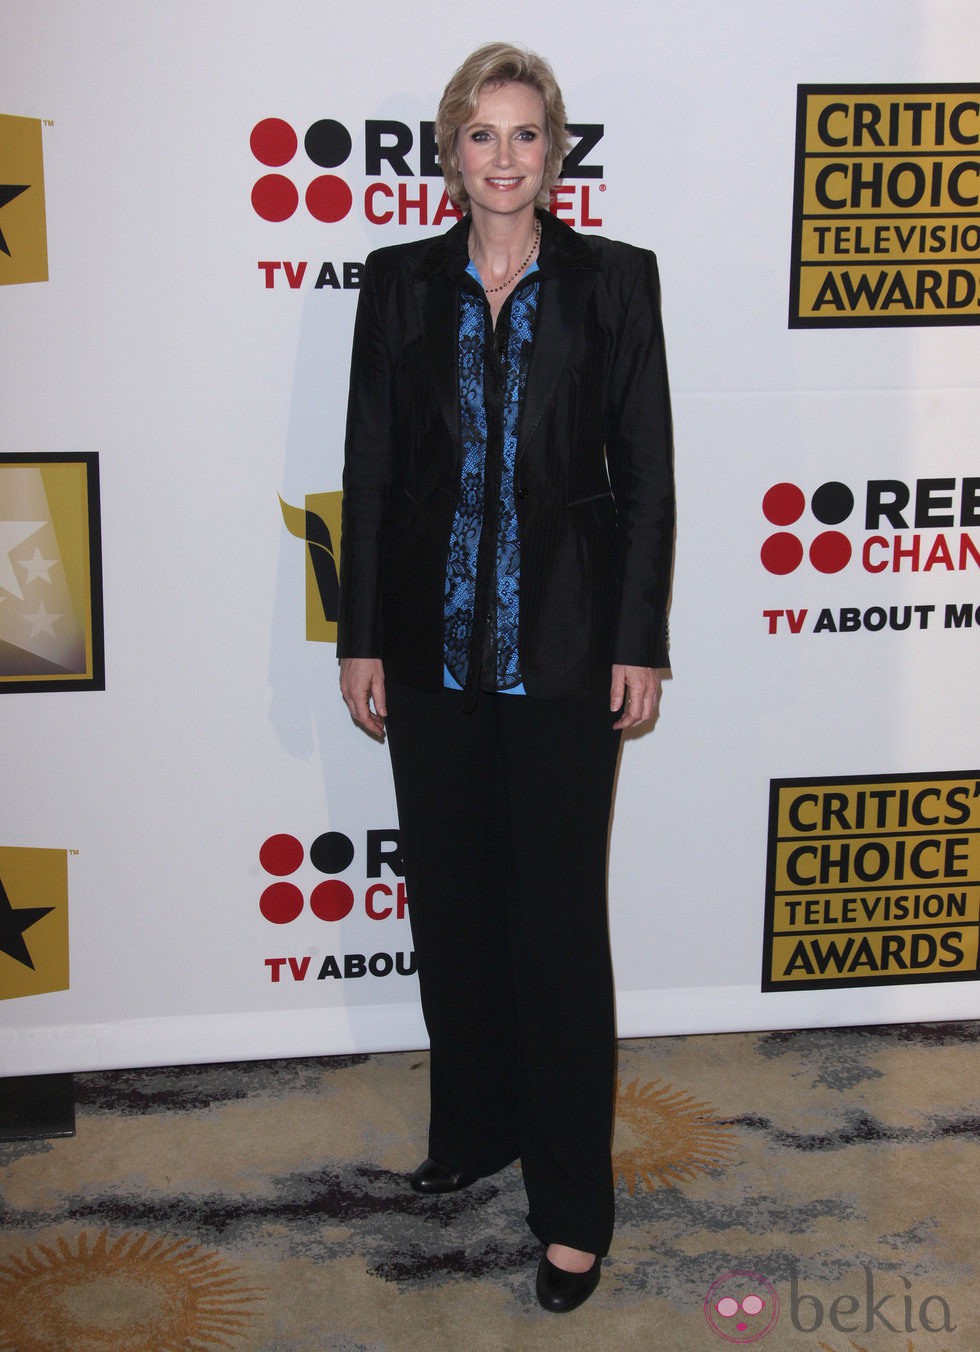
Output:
x=157 y=344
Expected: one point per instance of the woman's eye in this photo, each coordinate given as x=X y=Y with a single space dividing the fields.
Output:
x=527 y=136
x=479 y=136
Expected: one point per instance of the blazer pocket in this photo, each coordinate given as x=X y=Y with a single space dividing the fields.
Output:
x=597 y=512
x=403 y=511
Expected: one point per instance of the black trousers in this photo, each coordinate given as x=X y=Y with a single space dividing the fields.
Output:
x=504 y=818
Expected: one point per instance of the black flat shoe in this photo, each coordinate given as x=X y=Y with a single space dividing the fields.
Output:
x=431 y=1177
x=560 y=1291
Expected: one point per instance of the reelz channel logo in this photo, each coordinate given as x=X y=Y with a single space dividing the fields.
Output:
x=398 y=163
x=923 y=526
x=283 y=856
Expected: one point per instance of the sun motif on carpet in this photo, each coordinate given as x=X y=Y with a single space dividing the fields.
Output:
x=663 y=1136
x=128 y=1294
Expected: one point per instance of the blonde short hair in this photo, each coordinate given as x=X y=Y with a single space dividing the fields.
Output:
x=494 y=64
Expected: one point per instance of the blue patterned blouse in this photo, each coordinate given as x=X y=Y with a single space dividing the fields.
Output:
x=492 y=374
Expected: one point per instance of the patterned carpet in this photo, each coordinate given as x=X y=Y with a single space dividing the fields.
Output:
x=790 y=1190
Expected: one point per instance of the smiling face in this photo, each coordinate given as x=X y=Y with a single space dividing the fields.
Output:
x=502 y=149
x=741 y=1307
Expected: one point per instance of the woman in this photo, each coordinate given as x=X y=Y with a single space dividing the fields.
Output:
x=507 y=536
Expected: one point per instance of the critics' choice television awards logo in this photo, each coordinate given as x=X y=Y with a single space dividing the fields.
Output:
x=50 y=573
x=33 y=921
x=879 y=529
x=385 y=172
x=872 y=880
x=886 y=211
x=330 y=883
x=23 y=236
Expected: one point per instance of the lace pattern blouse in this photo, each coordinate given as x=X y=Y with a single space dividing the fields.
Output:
x=483 y=567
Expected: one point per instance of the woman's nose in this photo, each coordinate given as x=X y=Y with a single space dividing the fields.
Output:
x=505 y=154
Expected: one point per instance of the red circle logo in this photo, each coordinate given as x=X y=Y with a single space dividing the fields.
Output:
x=274 y=197
x=783 y=504
x=830 y=552
x=273 y=142
x=329 y=199
x=281 y=903
x=782 y=553
x=332 y=900
x=280 y=855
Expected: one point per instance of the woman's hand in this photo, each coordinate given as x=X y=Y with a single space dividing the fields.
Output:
x=362 y=683
x=635 y=690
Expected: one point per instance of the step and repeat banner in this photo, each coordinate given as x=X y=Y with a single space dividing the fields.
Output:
x=199 y=852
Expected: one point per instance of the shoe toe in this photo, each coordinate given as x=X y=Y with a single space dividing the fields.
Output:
x=431 y=1177
x=559 y=1291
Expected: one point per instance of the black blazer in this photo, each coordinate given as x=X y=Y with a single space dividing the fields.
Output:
x=593 y=474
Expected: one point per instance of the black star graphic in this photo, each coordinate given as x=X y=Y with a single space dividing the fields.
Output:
x=12 y=926
x=8 y=191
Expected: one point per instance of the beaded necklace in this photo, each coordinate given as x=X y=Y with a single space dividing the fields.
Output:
x=489 y=290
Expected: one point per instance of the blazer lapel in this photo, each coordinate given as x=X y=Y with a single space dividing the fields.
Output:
x=561 y=307
x=436 y=299
x=436 y=286
x=568 y=273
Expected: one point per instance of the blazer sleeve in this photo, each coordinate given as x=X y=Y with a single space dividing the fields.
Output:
x=368 y=461
x=639 y=451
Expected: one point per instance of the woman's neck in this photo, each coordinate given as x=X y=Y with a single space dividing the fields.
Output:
x=499 y=244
